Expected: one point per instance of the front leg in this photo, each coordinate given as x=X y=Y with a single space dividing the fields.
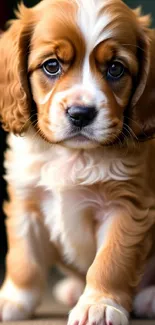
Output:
x=27 y=260
x=115 y=272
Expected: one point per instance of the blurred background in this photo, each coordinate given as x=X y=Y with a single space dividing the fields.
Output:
x=6 y=12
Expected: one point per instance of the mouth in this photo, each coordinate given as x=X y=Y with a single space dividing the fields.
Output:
x=81 y=141
x=80 y=138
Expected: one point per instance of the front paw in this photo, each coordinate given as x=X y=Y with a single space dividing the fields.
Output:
x=97 y=314
x=10 y=311
x=17 y=303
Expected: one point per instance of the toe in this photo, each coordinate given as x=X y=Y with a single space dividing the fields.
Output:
x=96 y=314
x=115 y=317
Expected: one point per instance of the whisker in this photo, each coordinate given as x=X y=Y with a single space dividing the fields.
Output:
x=131 y=136
x=129 y=118
x=131 y=131
x=27 y=121
x=147 y=138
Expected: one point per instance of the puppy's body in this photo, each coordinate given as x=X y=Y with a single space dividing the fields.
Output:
x=78 y=189
x=78 y=197
x=81 y=185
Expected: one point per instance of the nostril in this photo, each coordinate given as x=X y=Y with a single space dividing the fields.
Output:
x=81 y=115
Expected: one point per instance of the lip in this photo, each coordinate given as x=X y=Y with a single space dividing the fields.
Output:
x=80 y=138
x=81 y=141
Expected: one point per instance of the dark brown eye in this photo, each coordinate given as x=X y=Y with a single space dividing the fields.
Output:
x=52 y=67
x=115 y=71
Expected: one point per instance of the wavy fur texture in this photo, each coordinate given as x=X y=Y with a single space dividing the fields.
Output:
x=81 y=198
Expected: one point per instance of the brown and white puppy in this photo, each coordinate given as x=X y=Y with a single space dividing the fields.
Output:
x=77 y=82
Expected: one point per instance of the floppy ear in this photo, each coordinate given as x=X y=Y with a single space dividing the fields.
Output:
x=15 y=99
x=142 y=109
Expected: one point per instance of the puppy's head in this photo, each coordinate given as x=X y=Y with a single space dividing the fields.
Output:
x=81 y=72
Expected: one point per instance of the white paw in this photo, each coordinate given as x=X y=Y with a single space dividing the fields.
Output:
x=15 y=303
x=9 y=311
x=97 y=314
x=68 y=291
x=144 y=303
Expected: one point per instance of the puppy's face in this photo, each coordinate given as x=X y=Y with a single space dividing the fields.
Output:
x=83 y=66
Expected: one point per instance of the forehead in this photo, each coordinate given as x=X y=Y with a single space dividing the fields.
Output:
x=89 y=21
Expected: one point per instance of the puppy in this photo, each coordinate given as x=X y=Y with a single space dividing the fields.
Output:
x=77 y=83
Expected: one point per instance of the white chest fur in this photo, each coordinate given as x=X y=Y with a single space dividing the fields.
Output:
x=72 y=183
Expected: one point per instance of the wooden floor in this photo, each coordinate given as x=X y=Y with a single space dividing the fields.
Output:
x=52 y=313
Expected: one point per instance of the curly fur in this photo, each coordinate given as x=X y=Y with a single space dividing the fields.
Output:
x=86 y=205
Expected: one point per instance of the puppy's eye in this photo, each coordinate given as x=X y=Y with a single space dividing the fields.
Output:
x=52 y=67
x=115 y=71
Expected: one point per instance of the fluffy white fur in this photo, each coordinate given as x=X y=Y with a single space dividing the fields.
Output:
x=69 y=185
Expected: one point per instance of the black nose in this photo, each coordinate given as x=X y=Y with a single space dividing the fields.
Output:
x=81 y=115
